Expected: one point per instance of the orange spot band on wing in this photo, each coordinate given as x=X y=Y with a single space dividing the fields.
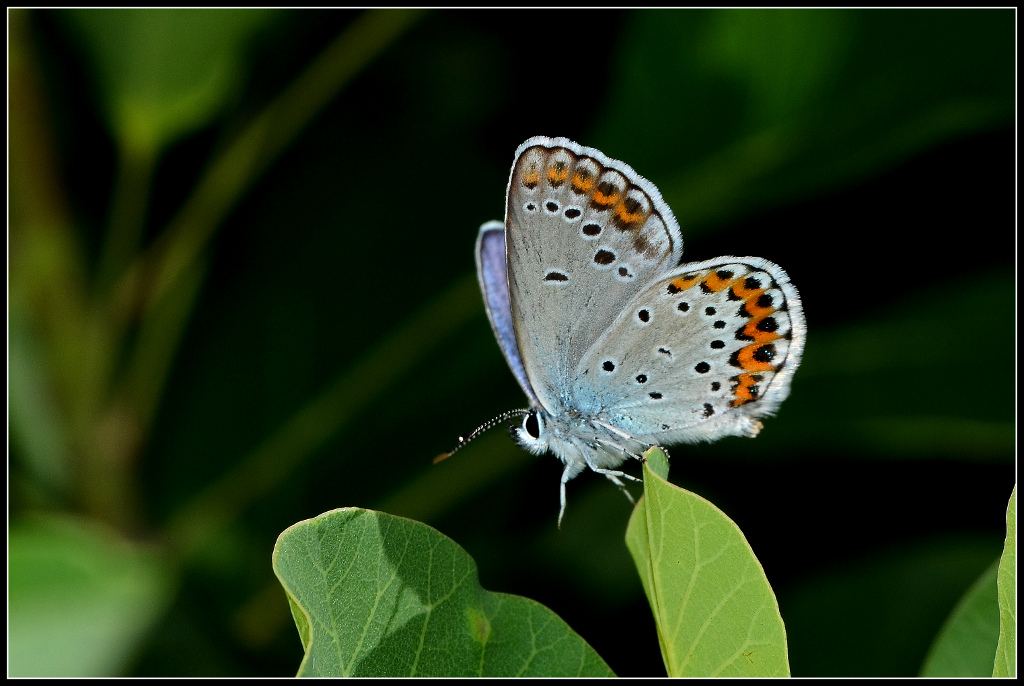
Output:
x=756 y=311
x=715 y=283
x=685 y=281
x=748 y=362
x=756 y=334
x=558 y=173
x=531 y=178
x=605 y=200
x=744 y=293
x=581 y=183
x=746 y=389
x=627 y=217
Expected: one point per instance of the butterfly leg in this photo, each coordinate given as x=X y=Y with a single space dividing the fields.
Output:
x=612 y=473
x=615 y=480
x=566 y=475
x=613 y=476
x=619 y=447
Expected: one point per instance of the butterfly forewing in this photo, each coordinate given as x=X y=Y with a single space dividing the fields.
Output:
x=700 y=353
x=584 y=235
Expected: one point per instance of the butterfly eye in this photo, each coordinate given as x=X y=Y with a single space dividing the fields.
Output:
x=532 y=425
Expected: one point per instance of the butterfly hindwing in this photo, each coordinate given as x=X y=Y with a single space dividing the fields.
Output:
x=701 y=353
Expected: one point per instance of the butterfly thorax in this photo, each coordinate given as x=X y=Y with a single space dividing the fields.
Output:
x=577 y=438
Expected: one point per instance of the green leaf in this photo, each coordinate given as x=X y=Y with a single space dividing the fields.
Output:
x=37 y=427
x=1006 y=650
x=884 y=607
x=657 y=461
x=715 y=611
x=164 y=73
x=967 y=642
x=81 y=599
x=377 y=595
x=793 y=101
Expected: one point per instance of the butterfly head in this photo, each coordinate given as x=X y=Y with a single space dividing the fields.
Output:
x=532 y=433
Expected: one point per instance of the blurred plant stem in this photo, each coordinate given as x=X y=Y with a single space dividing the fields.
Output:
x=110 y=458
x=307 y=430
x=47 y=272
x=172 y=268
x=135 y=167
x=108 y=356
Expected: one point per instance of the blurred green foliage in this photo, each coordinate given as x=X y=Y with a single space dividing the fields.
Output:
x=163 y=75
x=241 y=294
x=84 y=599
x=966 y=645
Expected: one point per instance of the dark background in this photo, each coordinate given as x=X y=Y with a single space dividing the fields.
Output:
x=870 y=153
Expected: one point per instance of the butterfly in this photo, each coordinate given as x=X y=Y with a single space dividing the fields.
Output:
x=618 y=346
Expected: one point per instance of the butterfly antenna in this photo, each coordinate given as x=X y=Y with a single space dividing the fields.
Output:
x=463 y=440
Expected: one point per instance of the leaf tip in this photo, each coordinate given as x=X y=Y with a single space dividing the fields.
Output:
x=656 y=459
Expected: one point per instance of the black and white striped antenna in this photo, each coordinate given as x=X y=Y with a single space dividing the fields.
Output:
x=463 y=440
